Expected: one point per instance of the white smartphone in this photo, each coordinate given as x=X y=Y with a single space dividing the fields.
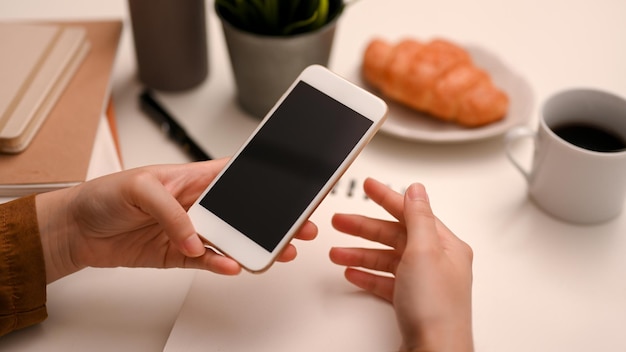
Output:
x=274 y=182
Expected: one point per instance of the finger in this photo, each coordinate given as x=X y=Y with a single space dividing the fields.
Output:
x=445 y=232
x=389 y=233
x=187 y=181
x=288 y=254
x=214 y=262
x=451 y=241
x=374 y=259
x=420 y=221
x=381 y=286
x=307 y=232
x=384 y=196
x=148 y=194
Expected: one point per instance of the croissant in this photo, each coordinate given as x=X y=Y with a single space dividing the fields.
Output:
x=437 y=77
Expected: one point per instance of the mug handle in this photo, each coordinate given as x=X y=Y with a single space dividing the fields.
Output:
x=513 y=135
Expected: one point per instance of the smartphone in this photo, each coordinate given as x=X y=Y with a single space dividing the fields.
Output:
x=274 y=182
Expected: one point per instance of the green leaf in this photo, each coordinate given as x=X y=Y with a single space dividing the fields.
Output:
x=278 y=17
x=299 y=25
x=322 y=14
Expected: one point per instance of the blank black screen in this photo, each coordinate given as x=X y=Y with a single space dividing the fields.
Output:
x=285 y=165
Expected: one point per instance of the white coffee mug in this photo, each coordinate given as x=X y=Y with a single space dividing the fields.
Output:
x=578 y=174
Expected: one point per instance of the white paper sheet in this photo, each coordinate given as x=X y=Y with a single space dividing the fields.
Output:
x=268 y=312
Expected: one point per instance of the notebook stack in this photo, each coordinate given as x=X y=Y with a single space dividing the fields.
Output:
x=54 y=89
x=36 y=64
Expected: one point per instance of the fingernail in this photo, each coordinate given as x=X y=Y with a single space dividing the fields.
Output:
x=193 y=246
x=417 y=192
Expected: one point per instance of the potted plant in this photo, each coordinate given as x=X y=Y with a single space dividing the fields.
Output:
x=271 y=41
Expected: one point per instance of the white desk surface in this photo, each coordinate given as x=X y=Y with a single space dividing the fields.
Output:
x=540 y=284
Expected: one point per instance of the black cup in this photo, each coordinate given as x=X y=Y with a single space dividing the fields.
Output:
x=170 y=43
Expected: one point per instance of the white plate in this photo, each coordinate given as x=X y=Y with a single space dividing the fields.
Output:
x=413 y=125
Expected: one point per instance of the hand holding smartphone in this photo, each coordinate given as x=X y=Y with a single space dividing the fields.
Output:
x=284 y=170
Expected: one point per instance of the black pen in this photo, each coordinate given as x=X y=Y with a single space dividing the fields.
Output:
x=168 y=124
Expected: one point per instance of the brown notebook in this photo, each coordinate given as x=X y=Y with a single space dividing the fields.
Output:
x=59 y=154
x=37 y=63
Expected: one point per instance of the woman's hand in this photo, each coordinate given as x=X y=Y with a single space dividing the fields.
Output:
x=134 y=218
x=431 y=269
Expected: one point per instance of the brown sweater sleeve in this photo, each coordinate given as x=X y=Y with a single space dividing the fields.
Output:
x=22 y=267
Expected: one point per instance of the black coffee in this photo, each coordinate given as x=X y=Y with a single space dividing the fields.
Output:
x=590 y=137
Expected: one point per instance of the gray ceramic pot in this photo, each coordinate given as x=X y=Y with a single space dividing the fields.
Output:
x=265 y=66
